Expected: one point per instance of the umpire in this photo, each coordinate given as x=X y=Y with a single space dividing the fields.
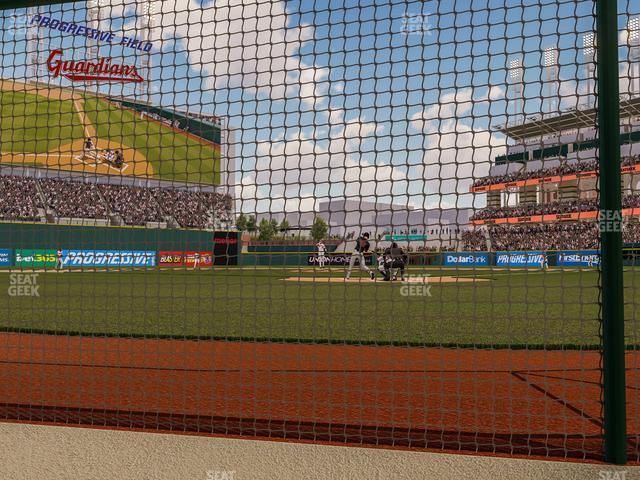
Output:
x=395 y=259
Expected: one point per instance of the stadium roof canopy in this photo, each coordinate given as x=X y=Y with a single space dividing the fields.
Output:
x=573 y=119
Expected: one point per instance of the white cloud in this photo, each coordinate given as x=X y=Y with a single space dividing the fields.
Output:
x=251 y=45
x=456 y=152
x=234 y=43
x=303 y=167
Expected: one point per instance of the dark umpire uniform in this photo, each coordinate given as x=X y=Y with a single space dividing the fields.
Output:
x=394 y=258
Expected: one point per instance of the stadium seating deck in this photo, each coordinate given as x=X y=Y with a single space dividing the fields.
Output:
x=20 y=198
x=555 y=236
x=559 y=170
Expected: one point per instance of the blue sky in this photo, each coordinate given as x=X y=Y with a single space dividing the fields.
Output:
x=395 y=100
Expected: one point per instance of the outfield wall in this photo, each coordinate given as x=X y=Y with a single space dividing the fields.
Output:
x=174 y=247
x=516 y=259
x=165 y=246
x=295 y=259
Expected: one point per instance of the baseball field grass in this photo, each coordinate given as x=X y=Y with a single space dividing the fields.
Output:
x=36 y=124
x=173 y=156
x=519 y=308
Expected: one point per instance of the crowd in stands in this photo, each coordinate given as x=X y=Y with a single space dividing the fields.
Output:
x=631 y=201
x=73 y=199
x=420 y=249
x=559 y=170
x=631 y=232
x=135 y=205
x=424 y=249
x=20 y=199
x=17 y=198
x=553 y=236
x=194 y=209
x=581 y=205
x=474 y=240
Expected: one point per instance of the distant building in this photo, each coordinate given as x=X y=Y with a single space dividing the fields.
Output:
x=432 y=229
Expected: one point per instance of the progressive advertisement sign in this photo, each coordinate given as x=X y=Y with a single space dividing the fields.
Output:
x=184 y=259
x=35 y=258
x=6 y=257
x=466 y=259
x=108 y=258
x=582 y=258
x=520 y=259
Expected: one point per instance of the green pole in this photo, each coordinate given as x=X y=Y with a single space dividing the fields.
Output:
x=613 y=352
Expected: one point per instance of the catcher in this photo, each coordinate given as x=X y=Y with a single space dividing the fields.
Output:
x=392 y=259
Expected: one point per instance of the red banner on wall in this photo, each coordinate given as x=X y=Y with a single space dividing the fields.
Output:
x=184 y=259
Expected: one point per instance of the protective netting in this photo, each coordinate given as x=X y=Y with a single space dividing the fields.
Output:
x=364 y=222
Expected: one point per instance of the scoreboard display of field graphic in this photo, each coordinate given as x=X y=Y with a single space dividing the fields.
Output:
x=89 y=98
x=155 y=142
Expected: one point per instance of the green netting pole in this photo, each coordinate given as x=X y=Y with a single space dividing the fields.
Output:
x=613 y=358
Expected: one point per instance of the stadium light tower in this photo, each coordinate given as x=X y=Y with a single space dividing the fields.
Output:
x=147 y=24
x=634 y=55
x=589 y=53
x=94 y=17
x=516 y=86
x=552 y=74
x=34 y=47
x=94 y=10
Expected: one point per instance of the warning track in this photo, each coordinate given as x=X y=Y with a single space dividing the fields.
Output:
x=505 y=401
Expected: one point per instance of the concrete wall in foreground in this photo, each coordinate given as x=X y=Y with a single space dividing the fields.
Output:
x=43 y=452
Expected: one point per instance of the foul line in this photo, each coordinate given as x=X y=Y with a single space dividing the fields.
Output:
x=597 y=422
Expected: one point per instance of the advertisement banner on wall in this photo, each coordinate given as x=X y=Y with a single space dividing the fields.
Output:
x=582 y=258
x=185 y=259
x=406 y=238
x=521 y=259
x=108 y=258
x=466 y=259
x=35 y=258
x=6 y=257
x=336 y=259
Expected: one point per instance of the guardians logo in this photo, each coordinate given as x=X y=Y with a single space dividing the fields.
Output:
x=83 y=71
